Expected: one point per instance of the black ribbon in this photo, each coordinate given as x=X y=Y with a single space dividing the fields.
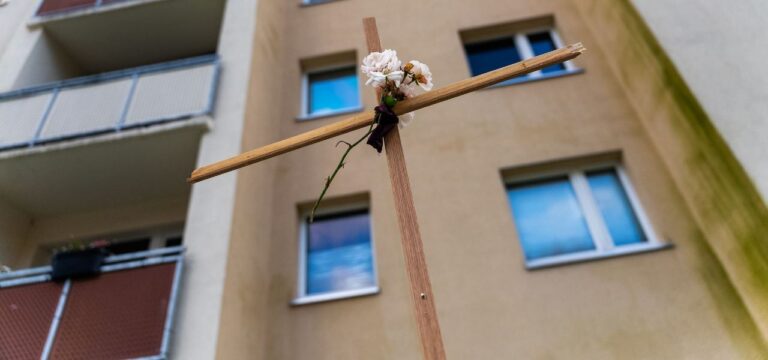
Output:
x=387 y=121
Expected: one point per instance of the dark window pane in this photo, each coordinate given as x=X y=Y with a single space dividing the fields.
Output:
x=549 y=219
x=491 y=55
x=333 y=90
x=542 y=43
x=129 y=246
x=173 y=241
x=615 y=208
x=339 y=254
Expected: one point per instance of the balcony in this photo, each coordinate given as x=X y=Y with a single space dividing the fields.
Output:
x=110 y=141
x=107 y=35
x=126 y=311
x=108 y=103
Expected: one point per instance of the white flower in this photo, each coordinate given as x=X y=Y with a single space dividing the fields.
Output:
x=382 y=66
x=379 y=79
x=421 y=74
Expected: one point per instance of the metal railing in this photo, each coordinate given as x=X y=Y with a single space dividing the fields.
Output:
x=109 y=102
x=171 y=255
x=56 y=7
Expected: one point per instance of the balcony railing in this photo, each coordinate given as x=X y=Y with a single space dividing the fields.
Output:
x=110 y=102
x=125 y=312
x=51 y=7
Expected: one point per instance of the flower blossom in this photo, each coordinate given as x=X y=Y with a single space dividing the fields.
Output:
x=421 y=74
x=382 y=66
x=384 y=70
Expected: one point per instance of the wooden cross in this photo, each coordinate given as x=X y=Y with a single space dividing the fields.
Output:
x=416 y=266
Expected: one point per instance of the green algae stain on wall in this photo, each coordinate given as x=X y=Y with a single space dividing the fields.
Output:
x=734 y=314
x=727 y=205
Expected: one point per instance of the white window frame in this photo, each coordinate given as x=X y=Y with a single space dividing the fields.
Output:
x=158 y=239
x=301 y=284
x=598 y=230
x=305 y=114
x=525 y=50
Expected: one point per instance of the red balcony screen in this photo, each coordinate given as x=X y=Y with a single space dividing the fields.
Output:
x=51 y=6
x=26 y=313
x=118 y=315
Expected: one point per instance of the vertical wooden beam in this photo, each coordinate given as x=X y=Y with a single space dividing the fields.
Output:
x=415 y=262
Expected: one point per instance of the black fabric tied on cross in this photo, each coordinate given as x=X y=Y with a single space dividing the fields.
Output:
x=387 y=121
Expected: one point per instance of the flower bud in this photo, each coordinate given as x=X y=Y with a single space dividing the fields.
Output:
x=390 y=101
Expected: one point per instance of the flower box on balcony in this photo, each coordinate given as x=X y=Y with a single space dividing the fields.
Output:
x=77 y=264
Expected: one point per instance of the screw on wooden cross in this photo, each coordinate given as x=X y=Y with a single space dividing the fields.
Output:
x=416 y=266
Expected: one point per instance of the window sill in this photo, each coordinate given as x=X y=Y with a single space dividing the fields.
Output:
x=340 y=295
x=593 y=255
x=527 y=79
x=338 y=112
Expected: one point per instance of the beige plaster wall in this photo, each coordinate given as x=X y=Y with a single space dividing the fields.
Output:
x=50 y=231
x=47 y=62
x=14 y=226
x=12 y=15
x=657 y=305
x=25 y=239
x=29 y=56
x=17 y=42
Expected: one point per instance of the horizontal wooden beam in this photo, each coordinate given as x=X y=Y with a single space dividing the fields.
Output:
x=366 y=118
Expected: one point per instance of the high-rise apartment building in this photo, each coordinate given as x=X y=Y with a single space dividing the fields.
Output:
x=609 y=207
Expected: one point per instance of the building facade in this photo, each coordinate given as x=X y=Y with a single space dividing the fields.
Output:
x=610 y=207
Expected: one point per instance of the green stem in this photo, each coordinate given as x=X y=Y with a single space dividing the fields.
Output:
x=329 y=179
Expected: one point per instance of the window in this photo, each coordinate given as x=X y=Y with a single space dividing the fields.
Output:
x=330 y=85
x=336 y=257
x=584 y=214
x=173 y=241
x=314 y=2
x=129 y=246
x=331 y=92
x=487 y=54
x=146 y=241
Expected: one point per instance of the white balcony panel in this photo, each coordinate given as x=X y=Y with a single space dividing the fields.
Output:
x=84 y=109
x=20 y=117
x=109 y=102
x=172 y=94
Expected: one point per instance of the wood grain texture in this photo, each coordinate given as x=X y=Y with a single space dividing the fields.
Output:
x=410 y=237
x=364 y=119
